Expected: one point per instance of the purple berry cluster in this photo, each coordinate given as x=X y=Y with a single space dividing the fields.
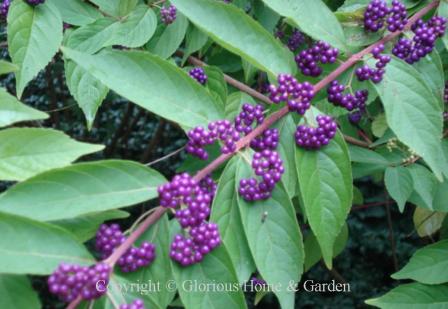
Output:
x=196 y=196
x=308 y=60
x=108 y=238
x=295 y=40
x=375 y=15
x=34 y=2
x=374 y=74
x=209 y=186
x=249 y=115
x=314 y=138
x=297 y=95
x=269 y=139
x=136 y=304
x=199 y=75
x=168 y=14
x=268 y=165
x=348 y=101
x=4 y=8
x=398 y=16
x=190 y=250
x=200 y=137
x=423 y=42
x=71 y=281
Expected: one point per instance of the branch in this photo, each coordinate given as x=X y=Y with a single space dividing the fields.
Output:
x=259 y=96
x=257 y=131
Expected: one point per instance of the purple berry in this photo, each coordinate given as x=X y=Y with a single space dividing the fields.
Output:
x=316 y=137
x=398 y=17
x=249 y=115
x=137 y=257
x=192 y=249
x=4 y=8
x=72 y=281
x=136 y=304
x=423 y=42
x=308 y=60
x=268 y=140
x=355 y=117
x=168 y=14
x=199 y=75
x=297 y=95
x=34 y=2
x=347 y=101
x=268 y=165
x=295 y=40
x=209 y=186
x=108 y=238
x=375 y=15
x=183 y=190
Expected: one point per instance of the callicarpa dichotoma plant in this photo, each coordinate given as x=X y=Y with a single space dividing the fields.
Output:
x=285 y=110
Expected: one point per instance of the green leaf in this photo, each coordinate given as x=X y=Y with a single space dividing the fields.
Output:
x=413 y=112
x=82 y=189
x=440 y=200
x=427 y=222
x=133 y=31
x=326 y=187
x=25 y=152
x=431 y=70
x=92 y=37
x=428 y=265
x=216 y=83
x=424 y=184
x=116 y=8
x=195 y=39
x=85 y=227
x=357 y=37
x=234 y=103
x=76 y=12
x=226 y=214
x=149 y=82
x=274 y=238
x=399 y=184
x=17 y=292
x=30 y=247
x=137 y=28
x=379 y=125
x=7 y=67
x=314 y=18
x=217 y=270
x=237 y=32
x=313 y=254
x=363 y=155
x=160 y=271
x=88 y=92
x=443 y=11
x=287 y=151
x=12 y=110
x=413 y=295
x=34 y=36
x=170 y=37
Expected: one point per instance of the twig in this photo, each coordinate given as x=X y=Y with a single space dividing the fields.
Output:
x=175 y=152
x=369 y=205
x=154 y=141
x=391 y=237
x=111 y=147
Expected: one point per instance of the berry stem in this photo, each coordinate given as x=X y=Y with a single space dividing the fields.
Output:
x=157 y=214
